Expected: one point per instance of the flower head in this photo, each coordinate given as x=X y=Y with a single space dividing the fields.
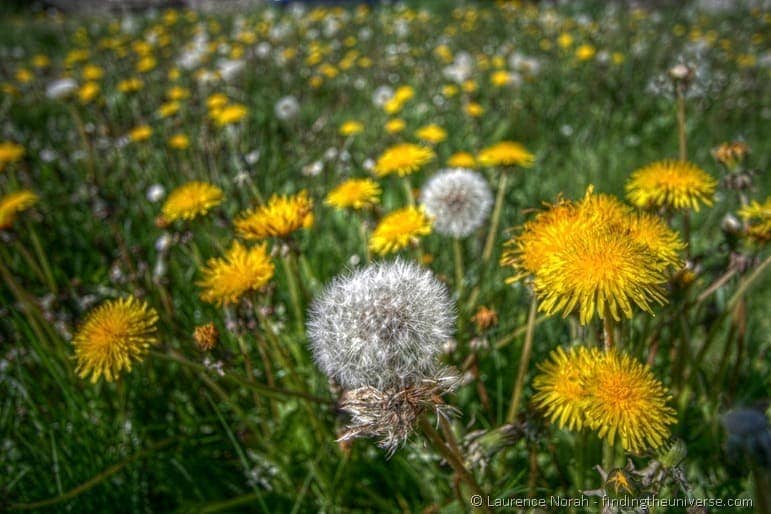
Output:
x=381 y=326
x=462 y=160
x=402 y=159
x=10 y=152
x=398 y=229
x=458 y=200
x=140 y=133
x=190 y=201
x=356 y=193
x=231 y=114
x=281 y=216
x=351 y=127
x=671 y=184
x=758 y=218
x=14 y=203
x=431 y=133
x=114 y=335
x=506 y=153
x=242 y=269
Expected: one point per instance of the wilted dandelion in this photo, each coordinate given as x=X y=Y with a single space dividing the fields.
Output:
x=355 y=193
x=242 y=269
x=458 y=200
x=14 y=203
x=399 y=229
x=403 y=159
x=190 y=201
x=506 y=153
x=206 y=337
x=281 y=216
x=378 y=332
x=670 y=184
x=114 y=335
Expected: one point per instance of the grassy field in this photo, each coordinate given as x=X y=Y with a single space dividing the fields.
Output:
x=103 y=118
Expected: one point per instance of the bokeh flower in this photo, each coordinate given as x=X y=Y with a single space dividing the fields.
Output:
x=241 y=270
x=14 y=203
x=10 y=152
x=403 y=159
x=281 y=216
x=191 y=200
x=506 y=153
x=113 y=336
x=670 y=184
x=351 y=127
x=458 y=200
x=432 y=133
x=355 y=193
x=399 y=229
x=461 y=160
x=140 y=133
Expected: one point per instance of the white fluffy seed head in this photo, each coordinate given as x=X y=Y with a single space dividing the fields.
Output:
x=458 y=199
x=381 y=326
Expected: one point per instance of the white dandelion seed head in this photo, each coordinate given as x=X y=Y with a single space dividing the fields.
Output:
x=61 y=88
x=382 y=326
x=458 y=199
x=287 y=108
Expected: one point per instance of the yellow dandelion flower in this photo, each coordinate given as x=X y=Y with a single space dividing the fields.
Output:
x=179 y=142
x=395 y=125
x=113 y=336
x=168 y=109
x=625 y=400
x=146 y=64
x=355 y=193
x=351 y=127
x=24 y=76
x=140 y=133
x=10 y=152
x=501 y=78
x=671 y=184
x=190 y=201
x=404 y=93
x=560 y=387
x=92 y=72
x=399 y=229
x=177 y=93
x=130 y=85
x=216 y=101
x=88 y=92
x=474 y=109
x=14 y=203
x=241 y=270
x=506 y=153
x=462 y=160
x=403 y=159
x=585 y=52
x=654 y=233
x=231 y=114
x=281 y=216
x=432 y=133
x=758 y=218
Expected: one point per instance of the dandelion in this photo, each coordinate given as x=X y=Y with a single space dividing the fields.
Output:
x=670 y=184
x=731 y=154
x=14 y=203
x=241 y=270
x=355 y=193
x=402 y=159
x=431 y=133
x=10 y=152
x=624 y=400
x=758 y=218
x=506 y=153
x=231 y=114
x=287 y=108
x=395 y=125
x=140 y=133
x=206 y=337
x=458 y=200
x=190 y=201
x=113 y=336
x=560 y=387
x=399 y=229
x=179 y=141
x=461 y=160
x=281 y=216
x=88 y=92
x=585 y=52
x=350 y=128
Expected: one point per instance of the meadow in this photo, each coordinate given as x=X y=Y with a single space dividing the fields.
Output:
x=400 y=257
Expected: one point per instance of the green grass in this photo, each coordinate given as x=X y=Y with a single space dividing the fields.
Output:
x=173 y=436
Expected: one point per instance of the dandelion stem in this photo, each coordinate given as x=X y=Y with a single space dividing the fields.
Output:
x=524 y=362
x=682 y=150
x=496 y=217
x=42 y=258
x=294 y=290
x=608 y=334
x=459 y=274
x=408 y=191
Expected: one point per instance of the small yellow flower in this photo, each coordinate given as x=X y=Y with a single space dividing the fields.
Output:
x=474 y=110
x=131 y=85
x=41 y=61
x=140 y=133
x=88 y=92
x=403 y=159
x=179 y=142
x=168 y=109
x=758 y=218
x=190 y=201
x=113 y=336
x=231 y=114
x=355 y=193
x=500 y=78
x=10 y=152
x=671 y=184
x=395 y=125
x=281 y=216
x=462 y=160
x=177 y=93
x=585 y=52
x=351 y=127
x=506 y=153
x=146 y=64
x=24 y=76
x=565 y=40
x=216 y=101
x=431 y=133
x=14 y=203
x=241 y=270
x=404 y=93
x=399 y=229
x=92 y=72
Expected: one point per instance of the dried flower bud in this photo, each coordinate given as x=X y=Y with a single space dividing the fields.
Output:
x=485 y=318
x=206 y=337
x=730 y=154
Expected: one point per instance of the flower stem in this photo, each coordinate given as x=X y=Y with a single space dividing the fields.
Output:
x=294 y=291
x=608 y=334
x=496 y=217
x=524 y=362
x=682 y=151
x=459 y=274
x=408 y=191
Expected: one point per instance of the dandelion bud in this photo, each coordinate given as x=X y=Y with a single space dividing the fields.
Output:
x=206 y=337
x=730 y=225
